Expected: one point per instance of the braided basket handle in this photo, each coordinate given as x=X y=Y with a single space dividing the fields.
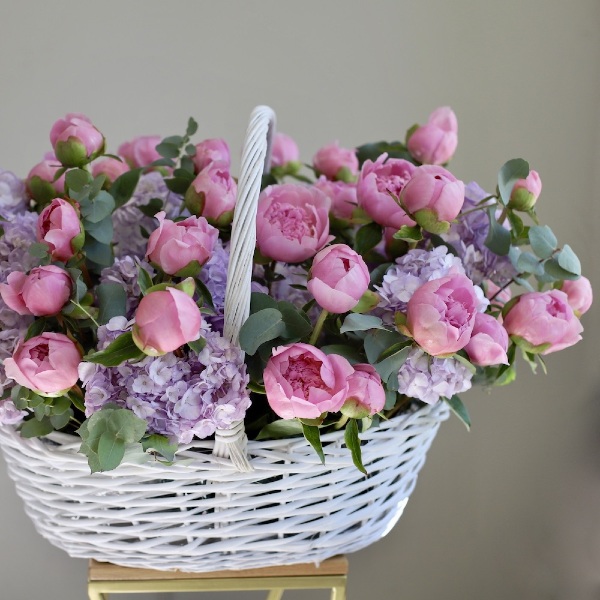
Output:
x=256 y=158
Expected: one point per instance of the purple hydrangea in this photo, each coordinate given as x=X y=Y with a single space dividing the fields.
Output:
x=128 y=219
x=124 y=271
x=19 y=234
x=214 y=277
x=430 y=378
x=10 y=414
x=410 y=272
x=468 y=236
x=181 y=398
x=13 y=198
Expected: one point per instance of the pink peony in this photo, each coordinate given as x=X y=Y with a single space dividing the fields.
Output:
x=335 y=162
x=40 y=182
x=174 y=245
x=140 y=151
x=46 y=364
x=342 y=196
x=488 y=343
x=213 y=194
x=435 y=143
x=375 y=183
x=110 y=167
x=338 y=278
x=441 y=314
x=292 y=223
x=41 y=293
x=60 y=228
x=284 y=151
x=366 y=395
x=75 y=140
x=433 y=195
x=543 y=322
x=212 y=151
x=303 y=382
x=579 y=294
x=525 y=192
x=164 y=321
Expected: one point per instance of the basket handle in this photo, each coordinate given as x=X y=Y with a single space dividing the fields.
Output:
x=256 y=158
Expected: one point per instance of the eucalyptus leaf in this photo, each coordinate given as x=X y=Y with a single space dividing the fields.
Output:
x=567 y=259
x=77 y=179
x=101 y=231
x=360 y=322
x=168 y=150
x=283 y=428
x=94 y=210
x=258 y=301
x=122 y=187
x=99 y=253
x=542 y=240
x=111 y=450
x=498 y=238
x=263 y=326
x=112 y=301
x=510 y=172
x=38 y=250
x=389 y=366
x=350 y=353
x=528 y=263
x=297 y=323
x=377 y=341
x=160 y=444
x=34 y=428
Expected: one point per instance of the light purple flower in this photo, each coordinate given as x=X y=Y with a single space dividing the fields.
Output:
x=468 y=236
x=179 y=398
x=10 y=414
x=13 y=198
x=128 y=220
x=428 y=378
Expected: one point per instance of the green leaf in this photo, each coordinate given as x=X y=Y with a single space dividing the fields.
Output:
x=374 y=150
x=144 y=279
x=123 y=186
x=297 y=323
x=409 y=234
x=391 y=397
x=112 y=301
x=509 y=174
x=161 y=445
x=313 y=437
x=116 y=352
x=542 y=240
x=528 y=263
x=192 y=127
x=36 y=328
x=99 y=253
x=261 y=327
x=282 y=428
x=377 y=341
x=205 y=294
x=99 y=208
x=353 y=444
x=553 y=268
x=390 y=365
x=77 y=179
x=459 y=409
x=173 y=140
x=498 y=238
x=360 y=322
x=101 y=231
x=168 y=150
x=259 y=301
x=350 y=353
x=35 y=428
x=567 y=259
x=38 y=250
x=110 y=452
x=197 y=345
x=516 y=223
x=378 y=272
x=178 y=185
x=154 y=206
x=60 y=405
x=62 y=420
x=367 y=237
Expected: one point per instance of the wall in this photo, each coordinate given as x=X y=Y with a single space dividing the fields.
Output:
x=510 y=510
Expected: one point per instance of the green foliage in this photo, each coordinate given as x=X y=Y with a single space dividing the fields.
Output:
x=510 y=172
x=367 y=237
x=159 y=444
x=374 y=150
x=360 y=322
x=106 y=434
x=409 y=234
x=122 y=187
x=112 y=301
x=117 y=352
x=460 y=410
x=498 y=239
x=313 y=437
x=263 y=326
x=144 y=280
x=543 y=241
x=353 y=444
x=282 y=428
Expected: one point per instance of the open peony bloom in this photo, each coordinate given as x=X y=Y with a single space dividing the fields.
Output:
x=441 y=314
x=375 y=183
x=435 y=143
x=543 y=322
x=164 y=321
x=46 y=364
x=488 y=343
x=338 y=278
x=292 y=223
x=44 y=291
x=60 y=228
x=174 y=245
x=303 y=382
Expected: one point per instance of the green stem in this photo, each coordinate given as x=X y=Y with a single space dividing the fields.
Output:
x=503 y=215
x=318 y=327
x=472 y=210
x=86 y=312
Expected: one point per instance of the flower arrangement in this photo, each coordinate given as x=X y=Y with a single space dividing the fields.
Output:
x=380 y=282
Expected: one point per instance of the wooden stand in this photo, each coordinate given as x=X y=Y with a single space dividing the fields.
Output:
x=104 y=578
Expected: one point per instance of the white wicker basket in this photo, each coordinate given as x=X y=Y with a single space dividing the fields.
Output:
x=208 y=512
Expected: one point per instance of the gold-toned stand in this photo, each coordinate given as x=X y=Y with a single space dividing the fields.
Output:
x=104 y=578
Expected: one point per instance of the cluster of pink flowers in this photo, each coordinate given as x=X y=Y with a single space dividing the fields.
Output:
x=120 y=301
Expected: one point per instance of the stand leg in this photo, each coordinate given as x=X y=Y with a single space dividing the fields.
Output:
x=338 y=593
x=95 y=594
x=275 y=594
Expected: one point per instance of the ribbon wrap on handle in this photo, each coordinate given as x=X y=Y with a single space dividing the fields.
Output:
x=256 y=158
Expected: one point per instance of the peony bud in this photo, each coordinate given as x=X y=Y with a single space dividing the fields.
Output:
x=525 y=192
x=579 y=294
x=284 y=151
x=366 y=395
x=75 y=140
x=41 y=293
x=110 y=167
x=488 y=343
x=164 y=321
x=40 y=182
x=60 y=228
x=338 y=278
x=140 y=151
x=435 y=143
x=336 y=163
x=213 y=194
x=213 y=151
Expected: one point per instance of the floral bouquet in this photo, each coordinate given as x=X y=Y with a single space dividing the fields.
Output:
x=380 y=282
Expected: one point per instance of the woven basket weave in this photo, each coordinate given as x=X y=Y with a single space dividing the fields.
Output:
x=208 y=512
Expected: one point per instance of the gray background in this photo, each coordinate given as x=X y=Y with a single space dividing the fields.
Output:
x=511 y=510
